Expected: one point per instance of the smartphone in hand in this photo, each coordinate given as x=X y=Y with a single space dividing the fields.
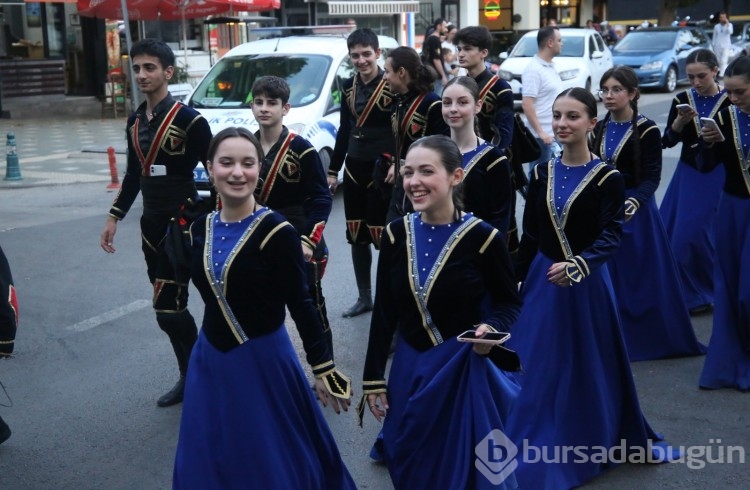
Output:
x=494 y=338
x=684 y=107
x=711 y=124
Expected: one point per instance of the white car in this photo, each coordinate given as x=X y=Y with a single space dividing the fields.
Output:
x=315 y=68
x=583 y=60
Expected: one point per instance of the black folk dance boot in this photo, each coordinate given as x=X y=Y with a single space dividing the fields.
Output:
x=362 y=261
x=182 y=332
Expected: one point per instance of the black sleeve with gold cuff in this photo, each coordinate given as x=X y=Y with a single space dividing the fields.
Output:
x=369 y=388
x=337 y=384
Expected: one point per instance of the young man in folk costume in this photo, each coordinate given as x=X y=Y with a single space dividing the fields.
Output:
x=293 y=183
x=166 y=140
x=364 y=136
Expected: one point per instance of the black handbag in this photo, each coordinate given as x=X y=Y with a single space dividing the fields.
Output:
x=524 y=146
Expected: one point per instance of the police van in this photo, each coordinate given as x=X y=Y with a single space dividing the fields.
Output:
x=315 y=66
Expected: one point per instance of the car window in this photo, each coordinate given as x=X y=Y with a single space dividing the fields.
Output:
x=525 y=47
x=592 y=46
x=647 y=40
x=573 y=47
x=698 y=37
x=683 y=38
x=344 y=72
x=599 y=42
x=229 y=82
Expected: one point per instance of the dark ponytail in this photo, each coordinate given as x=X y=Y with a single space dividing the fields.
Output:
x=421 y=79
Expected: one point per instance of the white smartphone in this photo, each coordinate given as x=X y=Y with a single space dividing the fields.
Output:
x=158 y=170
x=711 y=124
x=494 y=338
x=684 y=107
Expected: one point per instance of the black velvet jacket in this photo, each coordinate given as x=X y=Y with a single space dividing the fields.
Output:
x=729 y=152
x=645 y=176
x=266 y=275
x=488 y=190
x=374 y=137
x=410 y=120
x=477 y=265
x=592 y=227
x=495 y=120
x=692 y=144
x=178 y=138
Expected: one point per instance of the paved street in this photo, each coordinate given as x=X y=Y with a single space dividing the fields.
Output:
x=90 y=361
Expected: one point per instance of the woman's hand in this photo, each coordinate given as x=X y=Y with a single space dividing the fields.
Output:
x=710 y=135
x=333 y=183
x=307 y=252
x=378 y=410
x=684 y=117
x=324 y=396
x=482 y=349
x=556 y=275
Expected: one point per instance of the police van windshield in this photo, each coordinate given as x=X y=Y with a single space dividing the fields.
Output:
x=229 y=82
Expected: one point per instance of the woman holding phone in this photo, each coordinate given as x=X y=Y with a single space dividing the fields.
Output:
x=577 y=387
x=440 y=271
x=655 y=320
x=728 y=360
x=689 y=205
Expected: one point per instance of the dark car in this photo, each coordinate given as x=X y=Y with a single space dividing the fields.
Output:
x=658 y=54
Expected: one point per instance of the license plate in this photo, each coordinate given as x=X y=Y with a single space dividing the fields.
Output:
x=200 y=174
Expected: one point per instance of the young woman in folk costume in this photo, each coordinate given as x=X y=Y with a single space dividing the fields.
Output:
x=689 y=205
x=655 y=320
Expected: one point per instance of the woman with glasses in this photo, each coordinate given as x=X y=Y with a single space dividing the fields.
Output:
x=655 y=320
x=689 y=206
x=728 y=359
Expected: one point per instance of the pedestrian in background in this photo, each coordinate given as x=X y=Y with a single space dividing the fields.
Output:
x=432 y=54
x=577 y=388
x=728 y=360
x=363 y=137
x=541 y=85
x=293 y=183
x=689 y=205
x=440 y=272
x=416 y=112
x=722 y=41
x=8 y=323
x=655 y=320
x=250 y=419
x=166 y=140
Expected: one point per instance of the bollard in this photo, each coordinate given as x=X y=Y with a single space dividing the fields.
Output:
x=12 y=169
x=115 y=184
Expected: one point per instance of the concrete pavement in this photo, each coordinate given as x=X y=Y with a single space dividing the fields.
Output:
x=63 y=151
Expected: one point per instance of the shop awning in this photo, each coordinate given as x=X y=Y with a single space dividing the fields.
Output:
x=354 y=8
x=56 y=1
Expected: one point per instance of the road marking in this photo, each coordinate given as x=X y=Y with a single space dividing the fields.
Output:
x=108 y=316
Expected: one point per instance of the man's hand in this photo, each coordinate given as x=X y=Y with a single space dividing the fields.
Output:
x=307 y=252
x=108 y=235
x=390 y=178
x=547 y=138
x=333 y=183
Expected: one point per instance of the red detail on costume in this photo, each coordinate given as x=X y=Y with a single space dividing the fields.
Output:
x=158 y=286
x=375 y=233
x=416 y=128
x=317 y=232
x=13 y=300
x=353 y=227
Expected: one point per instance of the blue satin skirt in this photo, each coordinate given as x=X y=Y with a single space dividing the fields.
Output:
x=655 y=321
x=443 y=403
x=688 y=211
x=577 y=388
x=250 y=420
x=728 y=360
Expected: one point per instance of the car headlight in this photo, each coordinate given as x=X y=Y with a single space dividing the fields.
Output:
x=569 y=74
x=652 y=65
x=505 y=75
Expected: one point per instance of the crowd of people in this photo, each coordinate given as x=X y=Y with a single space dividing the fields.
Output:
x=600 y=276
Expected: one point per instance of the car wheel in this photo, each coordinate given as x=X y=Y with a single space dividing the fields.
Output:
x=670 y=80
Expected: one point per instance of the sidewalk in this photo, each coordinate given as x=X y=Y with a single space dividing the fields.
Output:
x=63 y=151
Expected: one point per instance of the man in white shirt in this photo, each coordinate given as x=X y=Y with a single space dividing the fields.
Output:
x=540 y=85
x=722 y=41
